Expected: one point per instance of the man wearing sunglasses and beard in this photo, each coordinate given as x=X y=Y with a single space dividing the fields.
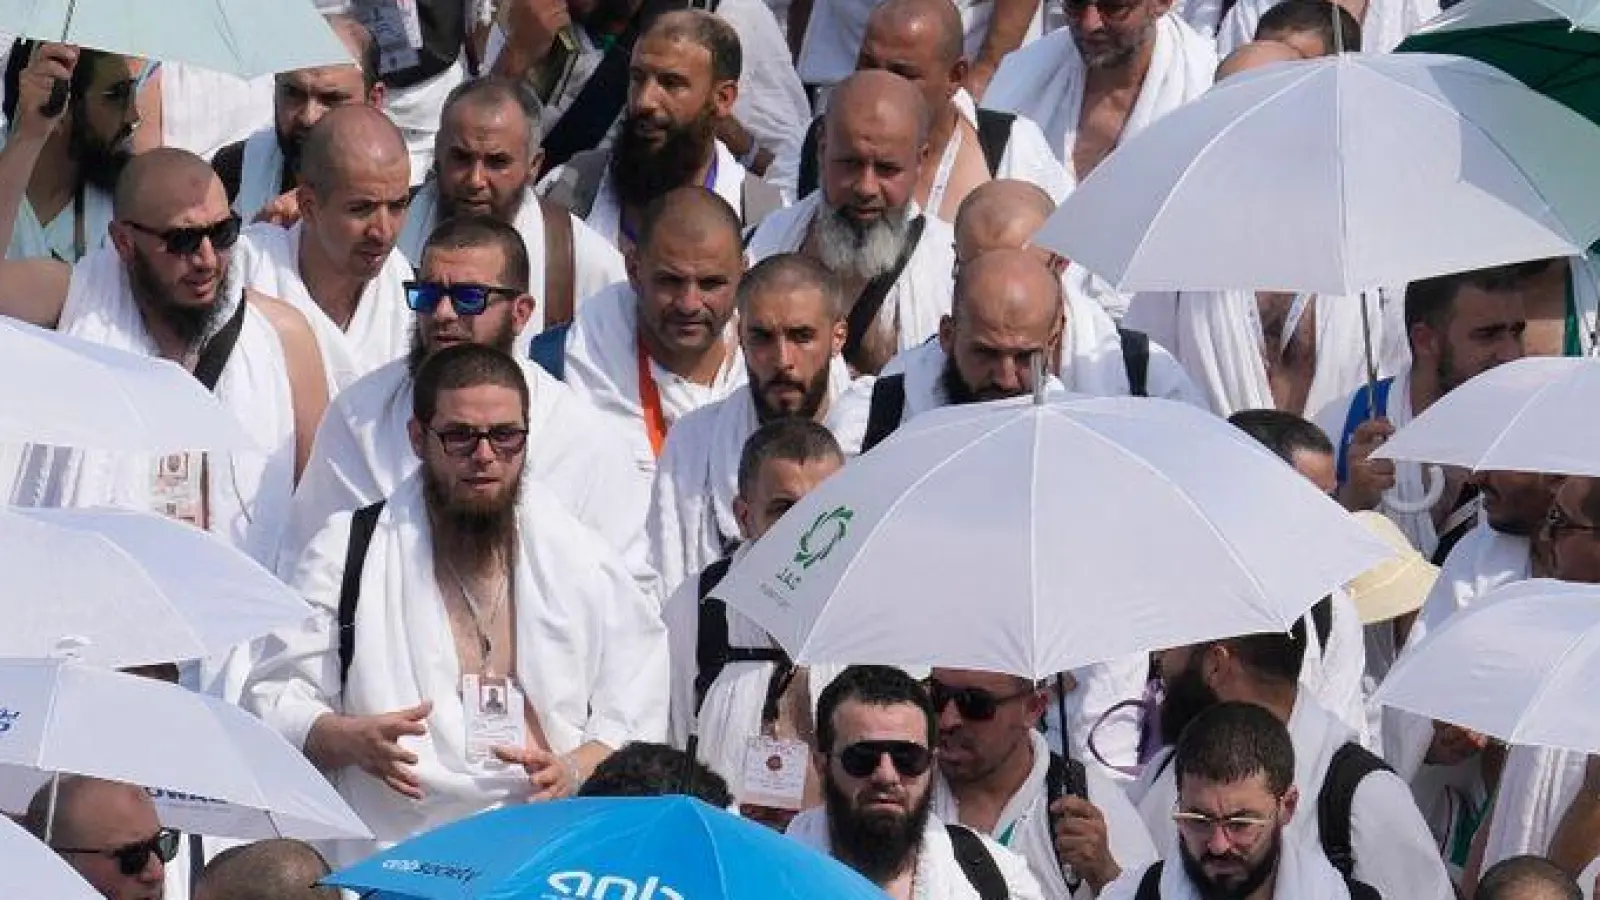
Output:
x=471 y=643
x=995 y=769
x=875 y=738
x=108 y=833
x=473 y=288
x=1236 y=793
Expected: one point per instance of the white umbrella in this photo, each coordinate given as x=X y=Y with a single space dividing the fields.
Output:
x=1471 y=14
x=130 y=588
x=1536 y=414
x=72 y=393
x=1581 y=13
x=241 y=37
x=1033 y=539
x=68 y=717
x=1333 y=175
x=33 y=870
x=1521 y=664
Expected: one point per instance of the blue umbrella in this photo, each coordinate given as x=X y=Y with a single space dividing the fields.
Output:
x=605 y=848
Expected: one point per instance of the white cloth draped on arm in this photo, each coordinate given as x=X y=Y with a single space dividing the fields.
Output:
x=591 y=659
x=203 y=111
x=1385 y=25
x=1332 y=673
x=260 y=174
x=58 y=238
x=1044 y=81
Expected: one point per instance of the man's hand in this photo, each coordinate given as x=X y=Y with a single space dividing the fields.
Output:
x=551 y=776
x=1368 y=478
x=1453 y=745
x=283 y=211
x=50 y=63
x=372 y=743
x=531 y=27
x=1082 y=843
x=978 y=78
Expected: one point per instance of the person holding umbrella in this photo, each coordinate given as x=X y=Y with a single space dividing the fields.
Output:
x=108 y=832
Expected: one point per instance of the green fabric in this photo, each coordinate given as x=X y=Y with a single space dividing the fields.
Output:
x=1572 y=340
x=1004 y=838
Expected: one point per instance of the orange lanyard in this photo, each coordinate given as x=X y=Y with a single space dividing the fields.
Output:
x=655 y=421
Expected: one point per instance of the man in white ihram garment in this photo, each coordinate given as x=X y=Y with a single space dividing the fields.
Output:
x=338 y=265
x=1384 y=23
x=790 y=315
x=473 y=288
x=497 y=650
x=650 y=350
x=485 y=160
x=863 y=224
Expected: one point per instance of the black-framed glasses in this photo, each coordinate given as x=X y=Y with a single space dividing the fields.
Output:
x=132 y=858
x=186 y=241
x=459 y=440
x=1239 y=829
x=465 y=298
x=974 y=704
x=1558 y=522
x=861 y=759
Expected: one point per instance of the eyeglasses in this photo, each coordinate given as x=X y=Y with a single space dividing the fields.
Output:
x=1109 y=9
x=1237 y=829
x=132 y=858
x=974 y=704
x=861 y=758
x=466 y=299
x=459 y=440
x=1557 y=522
x=186 y=241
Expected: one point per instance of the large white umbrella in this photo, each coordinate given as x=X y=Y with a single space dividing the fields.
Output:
x=32 y=870
x=241 y=37
x=1521 y=664
x=240 y=777
x=130 y=588
x=1536 y=414
x=68 y=392
x=1333 y=176
x=1033 y=539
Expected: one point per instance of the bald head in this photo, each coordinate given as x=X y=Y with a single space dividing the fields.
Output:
x=161 y=183
x=85 y=808
x=266 y=870
x=1527 y=878
x=1255 y=55
x=1007 y=285
x=696 y=216
x=880 y=102
x=1000 y=215
x=348 y=142
x=1007 y=312
x=931 y=24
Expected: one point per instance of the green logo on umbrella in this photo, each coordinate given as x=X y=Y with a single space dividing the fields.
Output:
x=823 y=535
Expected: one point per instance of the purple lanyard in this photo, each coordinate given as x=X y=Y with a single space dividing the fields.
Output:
x=709 y=184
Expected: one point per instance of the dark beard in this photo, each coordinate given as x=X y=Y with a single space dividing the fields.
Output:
x=290 y=148
x=470 y=534
x=877 y=846
x=98 y=164
x=191 y=324
x=1186 y=697
x=1254 y=879
x=816 y=394
x=419 y=353
x=640 y=173
x=447 y=209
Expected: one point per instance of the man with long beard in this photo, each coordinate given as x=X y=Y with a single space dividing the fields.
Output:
x=71 y=176
x=684 y=79
x=473 y=288
x=791 y=327
x=1235 y=769
x=472 y=644
x=875 y=739
x=864 y=223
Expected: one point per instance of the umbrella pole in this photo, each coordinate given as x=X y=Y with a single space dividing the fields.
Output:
x=1036 y=363
x=1061 y=710
x=50 y=809
x=1366 y=333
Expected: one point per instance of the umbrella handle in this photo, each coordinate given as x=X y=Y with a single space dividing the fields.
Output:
x=1432 y=480
x=57 y=103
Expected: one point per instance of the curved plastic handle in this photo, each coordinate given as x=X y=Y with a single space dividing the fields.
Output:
x=1432 y=480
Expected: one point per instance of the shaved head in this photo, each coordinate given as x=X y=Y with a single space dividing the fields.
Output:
x=695 y=215
x=932 y=23
x=1007 y=285
x=1000 y=215
x=265 y=870
x=1007 y=311
x=347 y=140
x=878 y=101
x=161 y=182
x=1255 y=55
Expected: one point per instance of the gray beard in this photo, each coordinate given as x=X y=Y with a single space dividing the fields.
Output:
x=856 y=251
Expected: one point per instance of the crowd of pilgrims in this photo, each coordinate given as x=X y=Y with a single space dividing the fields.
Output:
x=545 y=315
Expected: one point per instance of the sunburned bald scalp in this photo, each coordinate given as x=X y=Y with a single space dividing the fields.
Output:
x=344 y=135
x=1000 y=277
x=694 y=211
x=995 y=210
x=161 y=179
x=941 y=16
x=1255 y=55
x=875 y=94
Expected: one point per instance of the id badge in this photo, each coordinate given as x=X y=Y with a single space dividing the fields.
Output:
x=494 y=718
x=774 y=772
x=176 y=488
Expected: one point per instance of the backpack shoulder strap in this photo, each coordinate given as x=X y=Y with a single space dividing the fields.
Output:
x=228 y=163
x=549 y=349
x=865 y=310
x=1322 y=621
x=994 y=133
x=1353 y=419
x=1136 y=360
x=757 y=199
x=214 y=357
x=977 y=863
x=560 y=264
x=1150 y=883
x=1360 y=890
x=1351 y=764
x=810 y=166
x=888 y=407
x=711 y=635
x=579 y=182
x=362 y=526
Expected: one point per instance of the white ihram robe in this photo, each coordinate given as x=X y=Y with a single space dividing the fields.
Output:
x=1303 y=873
x=260 y=174
x=836 y=27
x=1385 y=25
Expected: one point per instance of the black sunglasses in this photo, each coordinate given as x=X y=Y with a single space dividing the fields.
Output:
x=974 y=704
x=861 y=758
x=466 y=299
x=459 y=440
x=186 y=241
x=132 y=858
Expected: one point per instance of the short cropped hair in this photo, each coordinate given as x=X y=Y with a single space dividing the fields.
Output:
x=491 y=90
x=477 y=231
x=664 y=207
x=464 y=366
x=872 y=686
x=1272 y=656
x=1312 y=17
x=643 y=769
x=1431 y=301
x=278 y=869
x=1284 y=433
x=1231 y=742
x=1527 y=878
x=703 y=29
x=792 y=439
x=789 y=272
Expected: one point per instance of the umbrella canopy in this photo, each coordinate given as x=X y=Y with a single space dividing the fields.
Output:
x=130 y=588
x=1520 y=664
x=1332 y=176
x=240 y=777
x=1035 y=538
x=1581 y=13
x=1532 y=415
x=240 y=37
x=73 y=393
x=34 y=870
x=655 y=848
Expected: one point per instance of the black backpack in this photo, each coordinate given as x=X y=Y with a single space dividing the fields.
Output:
x=994 y=133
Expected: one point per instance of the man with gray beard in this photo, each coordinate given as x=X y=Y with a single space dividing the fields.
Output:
x=864 y=224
